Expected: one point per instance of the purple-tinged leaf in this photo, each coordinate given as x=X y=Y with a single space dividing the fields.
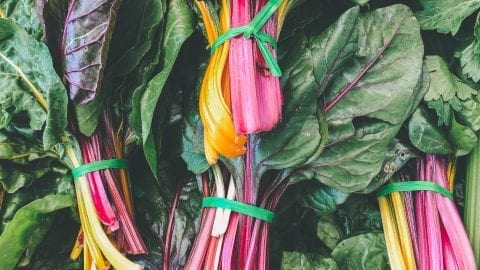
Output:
x=84 y=47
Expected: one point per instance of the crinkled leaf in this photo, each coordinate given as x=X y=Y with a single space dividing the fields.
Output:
x=23 y=12
x=443 y=110
x=138 y=23
x=362 y=252
x=359 y=214
x=328 y=231
x=134 y=53
x=85 y=42
x=302 y=133
x=398 y=154
x=299 y=261
x=19 y=232
x=320 y=198
x=386 y=83
x=469 y=113
x=470 y=60
x=425 y=135
x=445 y=15
x=470 y=55
x=180 y=25
x=20 y=51
x=463 y=138
x=444 y=84
x=193 y=151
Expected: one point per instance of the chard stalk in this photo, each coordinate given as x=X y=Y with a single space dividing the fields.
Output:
x=451 y=220
x=392 y=239
x=472 y=200
x=403 y=231
x=170 y=229
x=91 y=222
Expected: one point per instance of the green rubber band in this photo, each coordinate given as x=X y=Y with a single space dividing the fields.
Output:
x=99 y=165
x=414 y=186
x=239 y=207
x=253 y=29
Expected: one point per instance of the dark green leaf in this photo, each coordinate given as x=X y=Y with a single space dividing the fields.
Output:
x=425 y=135
x=180 y=25
x=398 y=154
x=300 y=261
x=23 y=12
x=362 y=252
x=133 y=56
x=320 y=198
x=359 y=214
x=19 y=232
x=328 y=231
x=302 y=133
x=21 y=52
x=463 y=138
x=193 y=152
x=387 y=83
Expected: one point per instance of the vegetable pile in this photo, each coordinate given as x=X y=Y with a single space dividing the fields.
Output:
x=239 y=134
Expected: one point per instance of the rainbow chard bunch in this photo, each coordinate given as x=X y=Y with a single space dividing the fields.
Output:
x=39 y=89
x=330 y=131
x=423 y=229
x=84 y=47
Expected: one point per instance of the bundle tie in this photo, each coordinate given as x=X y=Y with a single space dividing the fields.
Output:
x=239 y=207
x=99 y=165
x=414 y=186
x=253 y=29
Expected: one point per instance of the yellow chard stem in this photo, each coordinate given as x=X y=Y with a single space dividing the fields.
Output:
x=93 y=251
x=403 y=231
x=391 y=236
x=77 y=247
x=451 y=171
x=91 y=225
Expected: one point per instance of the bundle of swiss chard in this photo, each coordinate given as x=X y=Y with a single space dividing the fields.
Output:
x=83 y=51
x=328 y=117
x=423 y=228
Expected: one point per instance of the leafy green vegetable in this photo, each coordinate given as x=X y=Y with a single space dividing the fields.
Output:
x=24 y=13
x=444 y=84
x=21 y=230
x=456 y=107
x=29 y=83
x=298 y=261
x=470 y=55
x=384 y=83
x=320 y=198
x=328 y=231
x=447 y=15
x=359 y=214
x=179 y=23
x=425 y=135
x=362 y=252
x=398 y=154
x=133 y=56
